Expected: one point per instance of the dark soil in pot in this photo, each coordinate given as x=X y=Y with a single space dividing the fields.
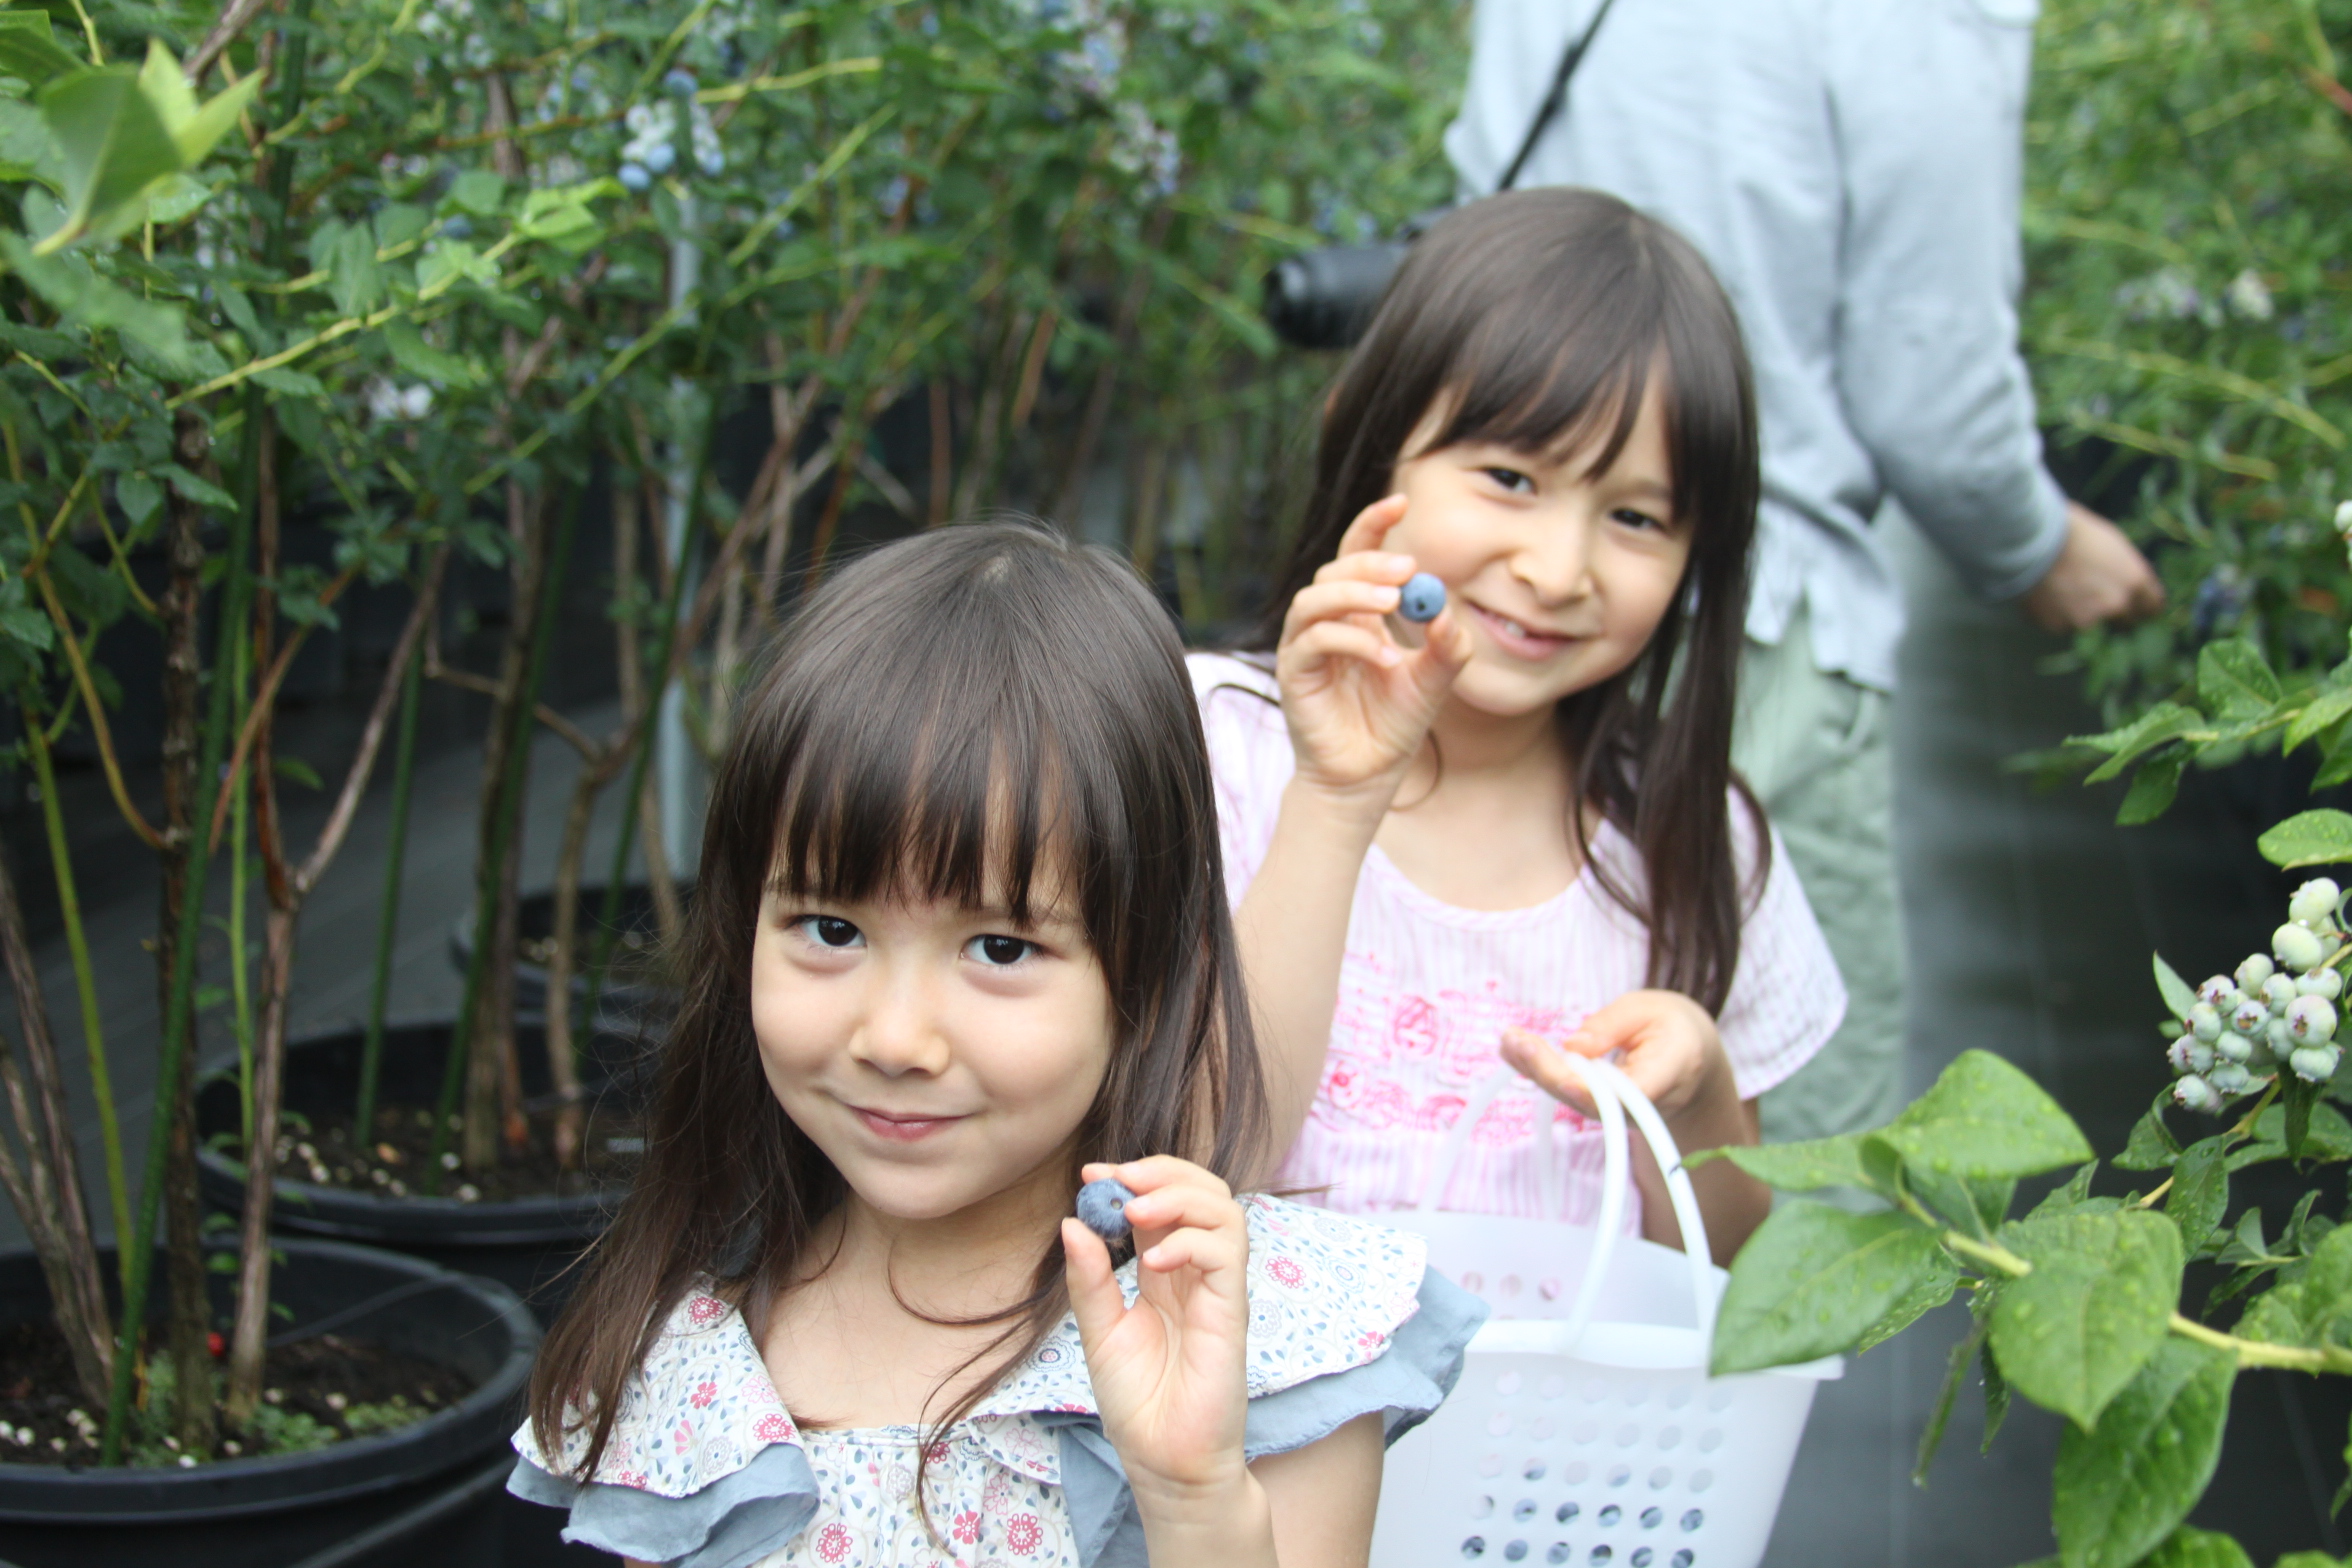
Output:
x=522 y=1223
x=635 y=986
x=401 y=1321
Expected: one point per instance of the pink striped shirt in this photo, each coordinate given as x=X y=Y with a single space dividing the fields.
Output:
x=1426 y=989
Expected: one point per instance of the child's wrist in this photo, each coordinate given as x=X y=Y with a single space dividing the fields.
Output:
x=1225 y=1521
x=1353 y=810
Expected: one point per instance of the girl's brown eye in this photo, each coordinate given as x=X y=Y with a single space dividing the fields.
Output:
x=1000 y=951
x=831 y=931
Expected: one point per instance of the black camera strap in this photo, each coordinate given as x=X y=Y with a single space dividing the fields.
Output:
x=1557 y=98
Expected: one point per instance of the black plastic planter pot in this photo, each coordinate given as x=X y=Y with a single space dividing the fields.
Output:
x=420 y=1494
x=629 y=994
x=525 y=1243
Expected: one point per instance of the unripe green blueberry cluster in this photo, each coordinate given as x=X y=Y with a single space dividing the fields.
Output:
x=2278 y=1009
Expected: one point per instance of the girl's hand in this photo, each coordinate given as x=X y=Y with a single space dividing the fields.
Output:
x=1672 y=1053
x=1169 y=1371
x=1358 y=703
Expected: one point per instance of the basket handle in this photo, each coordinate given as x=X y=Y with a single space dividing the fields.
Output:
x=1615 y=1096
x=1449 y=1154
x=1613 y=1091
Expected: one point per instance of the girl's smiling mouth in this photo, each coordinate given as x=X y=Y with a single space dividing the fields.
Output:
x=1515 y=638
x=897 y=1128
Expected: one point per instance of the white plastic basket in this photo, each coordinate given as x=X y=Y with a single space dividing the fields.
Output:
x=1584 y=1429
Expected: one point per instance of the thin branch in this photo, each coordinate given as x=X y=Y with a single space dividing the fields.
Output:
x=264 y=701
x=371 y=738
x=466 y=680
x=114 y=779
x=224 y=32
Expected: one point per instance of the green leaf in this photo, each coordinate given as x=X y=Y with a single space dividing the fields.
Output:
x=450 y=259
x=1996 y=1397
x=1983 y=1117
x=2074 y=1195
x=1813 y=1280
x=2119 y=1491
x=194 y=130
x=398 y=223
x=1802 y=1167
x=288 y=382
x=2234 y=680
x=2095 y=1307
x=301 y=772
x=2178 y=994
x=1931 y=1437
x=2200 y=1192
x=2152 y=789
x=2152 y=1146
x=2308 y=838
x=138 y=496
x=201 y=491
x=2335 y=749
x=2327 y=1139
x=21 y=623
x=27 y=150
x=347 y=254
x=175 y=198
x=2325 y=709
x=2192 y=1548
x=29 y=51
x=77 y=293
x=478 y=191
x=89 y=591
x=1975 y=1205
x=115 y=145
x=1932 y=1290
x=413 y=354
x=2151 y=729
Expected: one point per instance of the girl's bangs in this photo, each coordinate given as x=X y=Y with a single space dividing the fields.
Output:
x=951 y=794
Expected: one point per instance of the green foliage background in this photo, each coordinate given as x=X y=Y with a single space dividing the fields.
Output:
x=2189 y=230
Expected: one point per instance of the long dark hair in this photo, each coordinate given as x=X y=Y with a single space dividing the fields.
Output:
x=970 y=713
x=1535 y=320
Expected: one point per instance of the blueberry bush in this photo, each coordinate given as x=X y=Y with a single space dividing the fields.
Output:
x=434 y=276
x=2128 y=1314
x=2188 y=219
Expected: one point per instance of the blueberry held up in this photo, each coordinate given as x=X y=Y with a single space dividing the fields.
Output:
x=1102 y=1206
x=1422 y=598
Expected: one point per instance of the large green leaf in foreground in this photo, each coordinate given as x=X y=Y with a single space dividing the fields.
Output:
x=1813 y=1280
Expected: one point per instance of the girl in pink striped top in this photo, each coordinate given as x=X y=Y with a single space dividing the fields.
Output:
x=1516 y=833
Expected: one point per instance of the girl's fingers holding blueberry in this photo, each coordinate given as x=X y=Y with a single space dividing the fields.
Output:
x=1211 y=1251
x=1369 y=566
x=1095 y=1298
x=1319 y=602
x=1338 y=640
x=1372 y=524
x=1156 y=1171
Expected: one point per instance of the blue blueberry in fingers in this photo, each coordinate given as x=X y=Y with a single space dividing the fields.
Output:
x=1422 y=597
x=1102 y=1205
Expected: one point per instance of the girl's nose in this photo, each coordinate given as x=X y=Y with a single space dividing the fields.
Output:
x=1555 y=562
x=899 y=1033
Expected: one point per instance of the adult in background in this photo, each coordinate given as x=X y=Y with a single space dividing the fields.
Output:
x=1851 y=169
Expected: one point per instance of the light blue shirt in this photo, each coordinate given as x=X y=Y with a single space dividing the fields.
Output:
x=1851 y=168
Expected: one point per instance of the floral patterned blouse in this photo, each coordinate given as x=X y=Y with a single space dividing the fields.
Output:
x=706 y=1468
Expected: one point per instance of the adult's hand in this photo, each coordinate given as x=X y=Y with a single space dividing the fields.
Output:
x=2099 y=575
